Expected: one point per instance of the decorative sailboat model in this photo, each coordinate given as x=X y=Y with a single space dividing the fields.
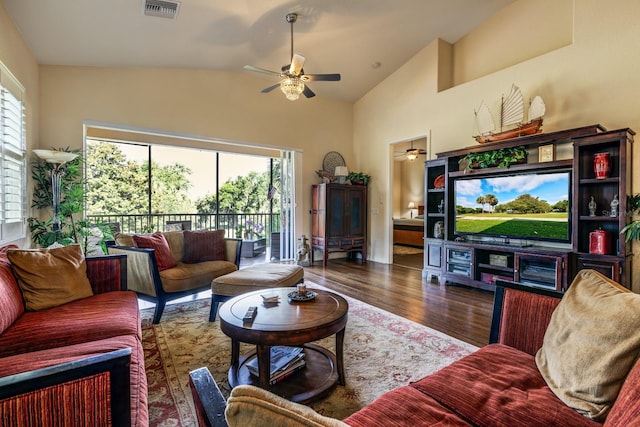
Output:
x=511 y=113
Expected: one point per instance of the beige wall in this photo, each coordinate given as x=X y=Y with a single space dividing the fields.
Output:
x=204 y=103
x=593 y=80
x=17 y=57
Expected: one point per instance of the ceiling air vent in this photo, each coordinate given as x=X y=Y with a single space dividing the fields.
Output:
x=161 y=8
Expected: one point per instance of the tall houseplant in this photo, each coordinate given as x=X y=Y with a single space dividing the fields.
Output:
x=73 y=229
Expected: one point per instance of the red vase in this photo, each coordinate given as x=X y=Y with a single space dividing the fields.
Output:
x=599 y=242
x=602 y=165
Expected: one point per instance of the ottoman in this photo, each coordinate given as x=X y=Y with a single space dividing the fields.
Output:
x=253 y=278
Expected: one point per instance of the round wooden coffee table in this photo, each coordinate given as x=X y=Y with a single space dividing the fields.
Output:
x=288 y=323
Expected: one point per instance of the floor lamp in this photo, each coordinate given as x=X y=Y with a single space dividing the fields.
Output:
x=57 y=159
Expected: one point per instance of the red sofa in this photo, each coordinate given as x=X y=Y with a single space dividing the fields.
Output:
x=79 y=363
x=498 y=385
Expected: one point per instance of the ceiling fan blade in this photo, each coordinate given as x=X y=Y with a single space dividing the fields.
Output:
x=270 y=88
x=297 y=61
x=259 y=70
x=323 y=77
x=308 y=92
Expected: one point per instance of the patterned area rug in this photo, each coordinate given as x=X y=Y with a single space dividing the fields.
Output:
x=382 y=352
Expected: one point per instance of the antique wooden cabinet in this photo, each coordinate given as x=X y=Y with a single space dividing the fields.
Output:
x=338 y=219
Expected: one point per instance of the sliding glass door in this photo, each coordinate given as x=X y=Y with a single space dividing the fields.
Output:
x=145 y=187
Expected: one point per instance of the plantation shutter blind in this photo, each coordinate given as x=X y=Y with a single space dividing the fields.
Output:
x=12 y=158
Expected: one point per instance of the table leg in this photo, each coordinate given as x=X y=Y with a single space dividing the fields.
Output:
x=339 y=356
x=264 y=364
x=235 y=354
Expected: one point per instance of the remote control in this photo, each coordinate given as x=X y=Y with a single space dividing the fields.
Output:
x=250 y=314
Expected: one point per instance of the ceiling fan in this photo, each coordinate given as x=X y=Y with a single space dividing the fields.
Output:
x=411 y=153
x=292 y=76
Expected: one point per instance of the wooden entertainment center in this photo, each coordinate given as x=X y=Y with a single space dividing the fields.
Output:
x=479 y=260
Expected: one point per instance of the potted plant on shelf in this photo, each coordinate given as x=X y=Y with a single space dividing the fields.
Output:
x=501 y=158
x=358 y=178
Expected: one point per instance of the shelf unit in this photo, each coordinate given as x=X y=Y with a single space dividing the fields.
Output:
x=434 y=203
x=480 y=263
x=616 y=261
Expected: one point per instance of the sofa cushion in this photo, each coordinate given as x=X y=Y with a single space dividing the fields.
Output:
x=203 y=246
x=10 y=295
x=499 y=386
x=175 y=239
x=101 y=316
x=157 y=242
x=50 y=277
x=30 y=361
x=591 y=343
x=253 y=406
x=404 y=407
x=192 y=276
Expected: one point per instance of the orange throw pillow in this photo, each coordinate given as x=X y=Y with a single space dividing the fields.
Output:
x=50 y=277
x=202 y=246
x=158 y=242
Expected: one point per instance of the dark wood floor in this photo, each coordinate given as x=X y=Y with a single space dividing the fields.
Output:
x=461 y=312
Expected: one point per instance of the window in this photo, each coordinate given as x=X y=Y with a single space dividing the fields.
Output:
x=12 y=158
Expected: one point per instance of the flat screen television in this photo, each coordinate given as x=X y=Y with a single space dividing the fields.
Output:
x=524 y=206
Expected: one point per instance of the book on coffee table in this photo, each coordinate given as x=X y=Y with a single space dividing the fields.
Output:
x=284 y=361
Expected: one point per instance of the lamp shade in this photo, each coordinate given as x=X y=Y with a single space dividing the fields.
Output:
x=54 y=156
x=411 y=205
x=341 y=171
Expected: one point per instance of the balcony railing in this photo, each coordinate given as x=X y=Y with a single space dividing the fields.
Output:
x=233 y=224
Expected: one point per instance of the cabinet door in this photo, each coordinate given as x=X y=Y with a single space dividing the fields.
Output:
x=611 y=269
x=356 y=211
x=460 y=261
x=545 y=271
x=337 y=212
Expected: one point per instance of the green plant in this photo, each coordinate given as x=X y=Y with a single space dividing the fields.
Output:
x=358 y=177
x=502 y=158
x=632 y=230
x=72 y=201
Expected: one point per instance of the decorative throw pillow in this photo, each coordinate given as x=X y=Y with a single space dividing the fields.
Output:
x=251 y=406
x=591 y=344
x=123 y=239
x=159 y=243
x=202 y=246
x=50 y=277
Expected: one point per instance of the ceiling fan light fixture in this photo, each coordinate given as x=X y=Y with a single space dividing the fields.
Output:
x=412 y=154
x=292 y=87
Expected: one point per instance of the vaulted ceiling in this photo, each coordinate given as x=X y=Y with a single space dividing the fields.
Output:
x=363 y=40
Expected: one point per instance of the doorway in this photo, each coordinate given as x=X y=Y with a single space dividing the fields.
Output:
x=408 y=202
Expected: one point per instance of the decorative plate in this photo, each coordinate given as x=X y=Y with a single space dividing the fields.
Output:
x=439 y=182
x=331 y=160
x=293 y=296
